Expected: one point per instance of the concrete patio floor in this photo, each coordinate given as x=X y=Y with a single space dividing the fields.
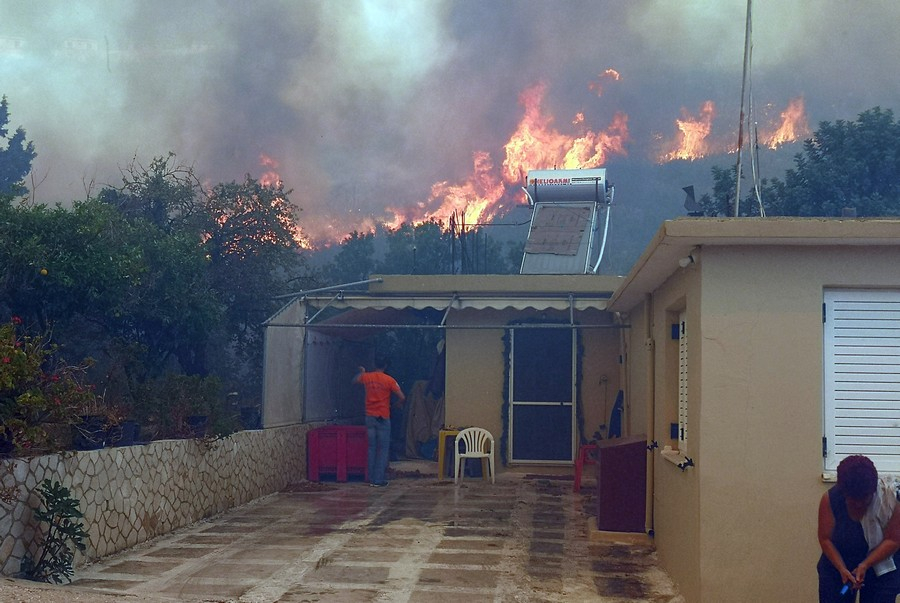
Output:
x=525 y=538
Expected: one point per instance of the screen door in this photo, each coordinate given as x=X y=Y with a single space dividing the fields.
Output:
x=542 y=394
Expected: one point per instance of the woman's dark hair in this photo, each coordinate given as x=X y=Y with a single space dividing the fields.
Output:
x=857 y=476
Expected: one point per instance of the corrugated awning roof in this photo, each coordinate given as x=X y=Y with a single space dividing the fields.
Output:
x=455 y=302
x=427 y=301
x=364 y=315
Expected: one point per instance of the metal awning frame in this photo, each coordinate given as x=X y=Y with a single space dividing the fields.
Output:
x=570 y=302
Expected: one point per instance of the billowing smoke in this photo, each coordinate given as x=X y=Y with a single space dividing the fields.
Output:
x=366 y=104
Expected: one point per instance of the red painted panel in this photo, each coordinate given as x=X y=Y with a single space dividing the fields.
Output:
x=339 y=450
x=622 y=484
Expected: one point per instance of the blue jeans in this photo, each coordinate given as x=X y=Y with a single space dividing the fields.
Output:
x=379 y=432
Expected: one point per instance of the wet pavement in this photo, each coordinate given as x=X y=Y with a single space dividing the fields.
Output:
x=526 y=538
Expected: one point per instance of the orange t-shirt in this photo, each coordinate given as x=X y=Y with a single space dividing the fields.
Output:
x=379 y=387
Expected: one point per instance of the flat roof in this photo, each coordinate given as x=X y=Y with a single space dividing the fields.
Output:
x=675 y=239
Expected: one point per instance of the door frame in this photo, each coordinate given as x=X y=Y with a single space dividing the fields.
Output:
x=572 y=403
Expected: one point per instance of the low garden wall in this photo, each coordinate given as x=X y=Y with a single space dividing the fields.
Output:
x=131 y=494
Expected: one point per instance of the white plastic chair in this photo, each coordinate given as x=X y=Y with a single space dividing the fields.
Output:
x=477 y=443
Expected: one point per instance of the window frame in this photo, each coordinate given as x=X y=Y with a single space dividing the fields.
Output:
x=683 y=398
x=861 y=377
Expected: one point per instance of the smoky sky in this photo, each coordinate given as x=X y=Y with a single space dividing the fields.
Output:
x=365 y=105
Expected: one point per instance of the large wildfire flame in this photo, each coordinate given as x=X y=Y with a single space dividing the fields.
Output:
x=693 y=139
x=535 y=144
x=793 y=127
x=490 y=190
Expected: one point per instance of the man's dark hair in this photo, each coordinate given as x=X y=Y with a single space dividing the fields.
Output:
x=381 y=361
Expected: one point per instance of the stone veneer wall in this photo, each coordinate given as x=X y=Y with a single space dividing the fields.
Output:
x=131 y=494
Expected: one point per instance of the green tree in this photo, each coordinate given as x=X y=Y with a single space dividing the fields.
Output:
x=844 y=165
x=101 y=282
x=16 y=156
x=58 y=263
x=417 y=249
x=847 y=165
x=253 y=255
x=167 y=194
x=173 y=310
x=171 y=307
x=721 y=202
x=244 y=233
x=355 y=260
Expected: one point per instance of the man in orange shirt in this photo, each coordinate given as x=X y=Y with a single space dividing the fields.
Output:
x=379 y=388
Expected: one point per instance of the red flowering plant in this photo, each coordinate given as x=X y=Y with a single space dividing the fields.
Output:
x=38 y=390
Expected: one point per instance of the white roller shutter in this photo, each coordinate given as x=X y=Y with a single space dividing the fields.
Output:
x=682 y=384
x=862 y=376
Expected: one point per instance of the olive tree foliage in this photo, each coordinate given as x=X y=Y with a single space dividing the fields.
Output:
x=417 y=249
x=844 y=165
x=424 y=248
x=244 y=252
x=355 y=260
x=847 y=165
x=166 y=194
x=16 y=155
x=159 y=275
x=254 y=255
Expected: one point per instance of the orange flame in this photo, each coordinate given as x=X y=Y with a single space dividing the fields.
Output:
x=793 y=126
x=592 y=149
x=488 y=190
x=691 y=141
x=271 y=178
x=535 y=144
x=476 y=199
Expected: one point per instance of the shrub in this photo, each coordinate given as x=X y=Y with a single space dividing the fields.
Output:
x=38 y=390
x=165 y=404
x=63 y=518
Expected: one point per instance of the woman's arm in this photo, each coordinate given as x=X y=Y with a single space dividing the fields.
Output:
x=826 y=527
x=885 y=549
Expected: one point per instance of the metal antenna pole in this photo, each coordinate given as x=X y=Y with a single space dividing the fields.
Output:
x=747 y=45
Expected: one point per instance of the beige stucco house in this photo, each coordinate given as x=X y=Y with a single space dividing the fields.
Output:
x=763 y=349
x=753 y=355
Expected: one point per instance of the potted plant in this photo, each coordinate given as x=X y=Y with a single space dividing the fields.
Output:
x=182 y=406
x=96 y=421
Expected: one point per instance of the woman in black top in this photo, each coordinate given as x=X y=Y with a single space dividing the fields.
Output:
x=847 y=561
